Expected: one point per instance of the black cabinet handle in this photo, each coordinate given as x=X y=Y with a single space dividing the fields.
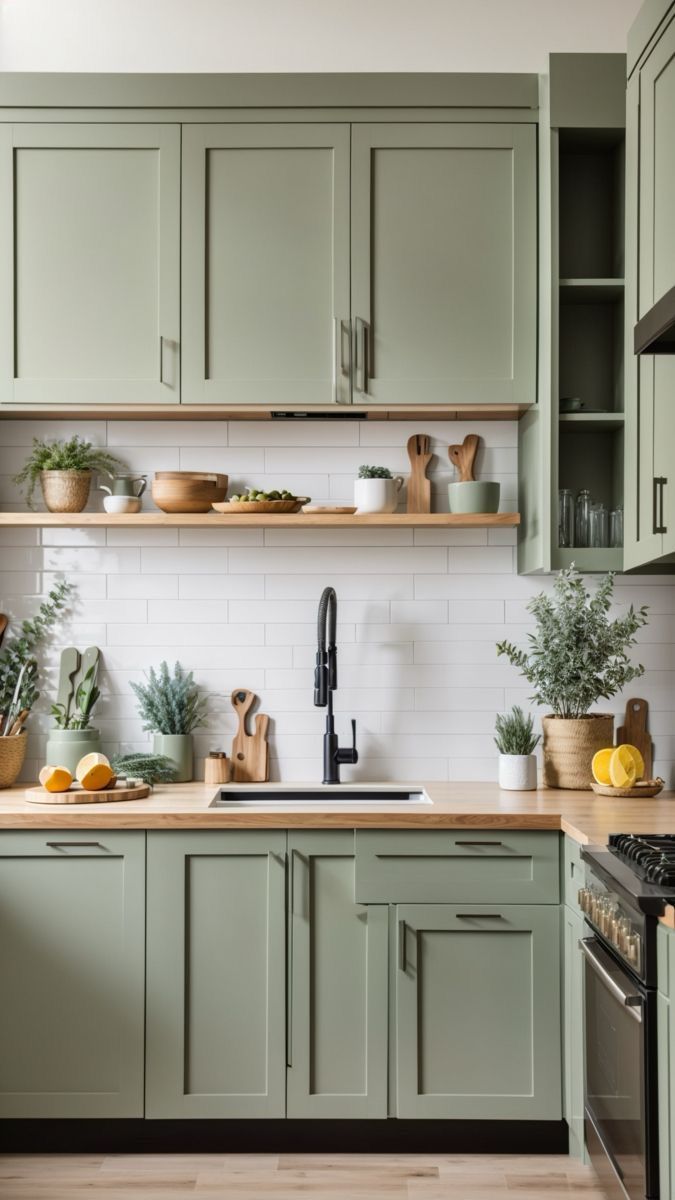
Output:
x=479 y=844
x=658 y=485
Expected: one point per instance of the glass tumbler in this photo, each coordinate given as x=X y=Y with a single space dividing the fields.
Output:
x=565 y=517
x=582 y=518
x=599 y=526
x=616 y=526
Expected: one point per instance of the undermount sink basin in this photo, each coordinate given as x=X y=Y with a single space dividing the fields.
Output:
x=344 y=796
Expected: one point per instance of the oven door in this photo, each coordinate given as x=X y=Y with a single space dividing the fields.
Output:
x=618 y=1012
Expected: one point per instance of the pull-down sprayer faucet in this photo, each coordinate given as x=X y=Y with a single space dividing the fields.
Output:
x=325 y=683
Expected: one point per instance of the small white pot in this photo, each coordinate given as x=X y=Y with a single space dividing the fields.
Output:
x=377 y=495
x=517 y=772
x=121 y=504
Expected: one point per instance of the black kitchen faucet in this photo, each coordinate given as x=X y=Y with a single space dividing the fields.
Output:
x=325 y=683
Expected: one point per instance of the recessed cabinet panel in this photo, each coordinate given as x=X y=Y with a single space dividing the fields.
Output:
x=477 y=1012
x=444 y=263
x=72 y=949
x=91 y=252
x=265 y=263
x=215 y=975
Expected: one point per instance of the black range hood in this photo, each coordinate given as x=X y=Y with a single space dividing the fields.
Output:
x=655 y=333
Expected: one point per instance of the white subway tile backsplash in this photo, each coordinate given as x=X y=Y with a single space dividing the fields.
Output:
x=420 y=610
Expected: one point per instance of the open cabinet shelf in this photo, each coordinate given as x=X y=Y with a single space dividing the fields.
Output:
x=213 y=520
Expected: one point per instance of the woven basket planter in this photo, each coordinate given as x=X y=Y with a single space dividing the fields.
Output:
x=569 y=746
x=65 y=491
x=12 y=754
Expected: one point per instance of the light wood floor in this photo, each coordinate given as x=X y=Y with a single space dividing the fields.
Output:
x=286 y=1177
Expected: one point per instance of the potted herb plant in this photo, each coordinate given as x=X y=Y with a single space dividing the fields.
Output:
x=74 y=735
x=516 y=741
x=576 y=657
x=170 y=706
x=376 y=490
x=64 y=471
x=19 y=680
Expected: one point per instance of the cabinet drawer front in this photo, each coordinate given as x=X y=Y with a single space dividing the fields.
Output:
x=573 y=873
x=460 y=865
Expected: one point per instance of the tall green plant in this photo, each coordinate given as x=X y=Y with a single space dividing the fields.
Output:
x=20 y=648
x=170 y=703
x=72 y=455
x=577 y=655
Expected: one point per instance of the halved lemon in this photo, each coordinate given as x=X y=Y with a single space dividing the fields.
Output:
x=638 y=760
x=622 y=769
x=600 y=766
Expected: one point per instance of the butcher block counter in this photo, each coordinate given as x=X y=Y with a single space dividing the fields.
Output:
x=584 y=816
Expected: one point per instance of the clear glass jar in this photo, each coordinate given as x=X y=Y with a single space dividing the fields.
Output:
x=565 y=517
x=582 y=518
x=598 y=526
x=616 y=526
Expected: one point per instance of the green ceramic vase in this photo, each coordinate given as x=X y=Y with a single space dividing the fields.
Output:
x=177 y=747
x=65 y=747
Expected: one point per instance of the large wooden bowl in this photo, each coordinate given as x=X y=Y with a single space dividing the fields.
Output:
x=188 y=491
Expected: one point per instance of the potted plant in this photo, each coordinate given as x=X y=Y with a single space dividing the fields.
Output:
x=516 y=741
x=376 y=490
x=19 y=679
x=576 y=657
x=171 y=707
x=74 y=736
x=64 y=471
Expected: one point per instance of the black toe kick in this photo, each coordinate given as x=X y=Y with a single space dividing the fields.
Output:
x=282 y=1137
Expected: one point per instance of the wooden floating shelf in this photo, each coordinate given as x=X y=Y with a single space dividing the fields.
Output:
x=213 y=520
x=251 y=412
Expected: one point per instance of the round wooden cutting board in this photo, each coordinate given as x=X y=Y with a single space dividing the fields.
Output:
x=77 y=794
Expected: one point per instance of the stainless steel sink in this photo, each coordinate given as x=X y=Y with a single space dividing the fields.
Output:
x=344 y=796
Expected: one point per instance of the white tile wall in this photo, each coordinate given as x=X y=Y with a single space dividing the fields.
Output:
x=420 y=610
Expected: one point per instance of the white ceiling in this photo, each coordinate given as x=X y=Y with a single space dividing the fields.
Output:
x=304 y=35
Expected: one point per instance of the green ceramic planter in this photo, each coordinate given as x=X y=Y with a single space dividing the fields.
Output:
x=177 y=747
x=475 y=496
x=65 y=747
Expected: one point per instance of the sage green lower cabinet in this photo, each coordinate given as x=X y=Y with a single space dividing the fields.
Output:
x=216 y=980
x=573 y=1030
x=338 y=1020
x=478 y=1012
x=72 y=945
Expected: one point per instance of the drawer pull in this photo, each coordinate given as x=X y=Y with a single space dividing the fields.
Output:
x=401 y=946
x=74 y=845
x=479 y=843
x=480 y=917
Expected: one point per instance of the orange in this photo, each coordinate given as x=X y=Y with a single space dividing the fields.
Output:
x=600 y=766
x=622 y=768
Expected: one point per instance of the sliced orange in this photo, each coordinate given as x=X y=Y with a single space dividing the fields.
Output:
x=622 y=769
x=638 y=759
x=600 y=766
x=55 y=779
x=94 y=772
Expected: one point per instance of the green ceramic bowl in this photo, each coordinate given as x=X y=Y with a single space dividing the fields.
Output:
x=473 y=497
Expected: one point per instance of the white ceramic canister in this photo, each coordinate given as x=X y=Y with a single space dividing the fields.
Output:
x=377 y=495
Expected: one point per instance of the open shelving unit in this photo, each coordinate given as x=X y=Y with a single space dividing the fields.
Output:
x=213 y=520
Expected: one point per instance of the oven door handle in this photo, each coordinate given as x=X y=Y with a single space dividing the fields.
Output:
x=632 y=1001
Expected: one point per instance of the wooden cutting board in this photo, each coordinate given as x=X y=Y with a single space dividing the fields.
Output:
x=634 y=731
x=419 y=487
x=464 y=456
x=250 y=751
x=79 y=795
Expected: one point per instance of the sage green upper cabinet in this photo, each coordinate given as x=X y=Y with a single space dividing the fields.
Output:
x=339 y=984
x=72 y=946
x=444 y=260
x=265 y=254
x=215 y=1026
x=89 y=278
x=478 y=1012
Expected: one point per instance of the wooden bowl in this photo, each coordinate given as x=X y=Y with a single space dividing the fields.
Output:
x=262 y=506
x=646 y=789
x=188 y=491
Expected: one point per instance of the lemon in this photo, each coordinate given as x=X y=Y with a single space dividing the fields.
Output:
x=638 y=760
x=622 y=768
x=600 y=766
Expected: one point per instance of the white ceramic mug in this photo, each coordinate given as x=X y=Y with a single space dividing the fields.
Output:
x=121 y=504
x=377 y=495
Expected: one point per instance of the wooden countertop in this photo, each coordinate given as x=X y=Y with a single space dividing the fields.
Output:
x=583 y=815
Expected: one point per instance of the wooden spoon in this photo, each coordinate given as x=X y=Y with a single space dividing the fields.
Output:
x=419 y=487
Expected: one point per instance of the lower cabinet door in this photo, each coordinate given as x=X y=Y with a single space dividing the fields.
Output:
x=478 y=1012
x=216 y=980
x=72 y=945
x=338 y=1018
x=573 y=1029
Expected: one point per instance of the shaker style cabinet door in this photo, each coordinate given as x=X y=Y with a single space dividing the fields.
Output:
x=72 y=946
x=337 y=1043
x=90 y=263
x=573 y=1029
x=215 y=1028
x=265 y=264
x=478 y=1012
x=444 y=254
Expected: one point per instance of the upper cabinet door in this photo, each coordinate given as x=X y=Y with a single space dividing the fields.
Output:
x=444 y=250
x=657 y=173
x=265 y=264
x=89 y=298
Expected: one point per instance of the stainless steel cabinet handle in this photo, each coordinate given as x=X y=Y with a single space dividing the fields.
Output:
x=401 y=946
x=631 y=1001
x=479 y=843
x=74 y=845
x=361 y=352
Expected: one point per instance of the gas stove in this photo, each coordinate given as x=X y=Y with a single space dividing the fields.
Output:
x=651 y=856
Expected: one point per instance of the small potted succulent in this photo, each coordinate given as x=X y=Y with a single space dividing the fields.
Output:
x=577 y=656
x=516 y=741
x=19 y=680
x=170 y=706
x=73 y=735
x=376 y=490
x=64 y=471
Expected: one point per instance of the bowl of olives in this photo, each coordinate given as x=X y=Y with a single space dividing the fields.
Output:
x=256 y=501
